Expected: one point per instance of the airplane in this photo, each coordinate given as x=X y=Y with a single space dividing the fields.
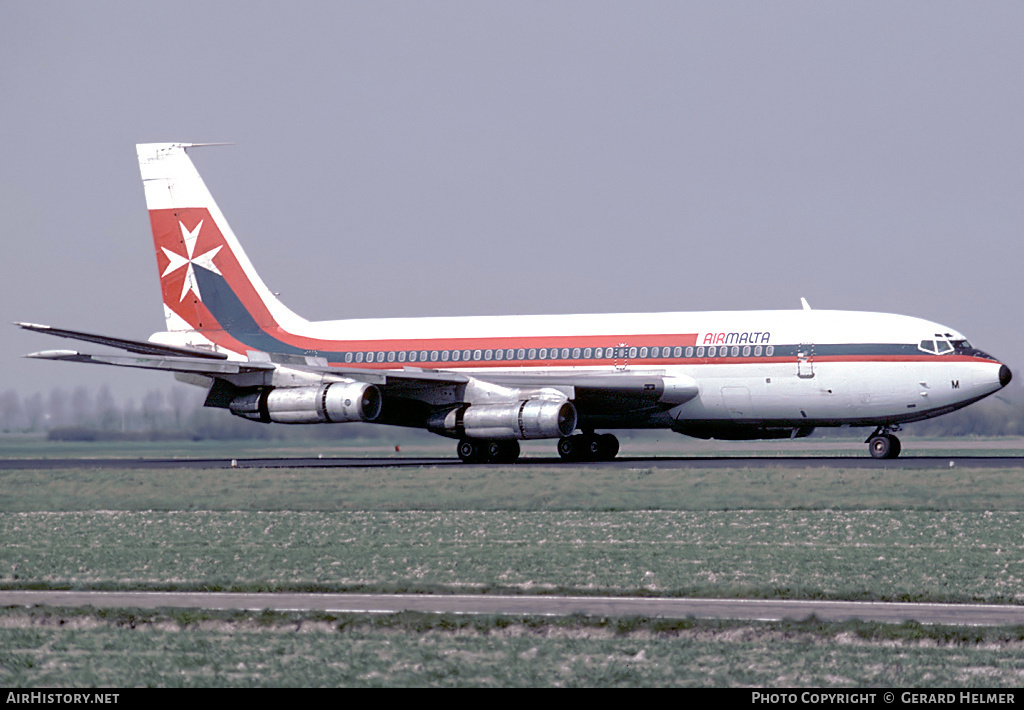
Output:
x=491 y=382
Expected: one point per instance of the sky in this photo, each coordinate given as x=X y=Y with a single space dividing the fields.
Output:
x=479 y=158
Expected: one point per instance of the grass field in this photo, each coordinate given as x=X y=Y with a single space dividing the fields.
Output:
x=940 y=535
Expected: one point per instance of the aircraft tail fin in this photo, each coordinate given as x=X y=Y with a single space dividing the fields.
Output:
x=208 y=284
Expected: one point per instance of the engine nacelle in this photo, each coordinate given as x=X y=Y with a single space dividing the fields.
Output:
x=332 y=402
x=530 y=419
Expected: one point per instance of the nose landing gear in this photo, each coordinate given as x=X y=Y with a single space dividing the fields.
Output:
x=882 y=444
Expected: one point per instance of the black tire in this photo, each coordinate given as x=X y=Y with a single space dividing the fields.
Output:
x=569 y=448
x=609 y=446
x=884 y=446
x=470 y=451
x=894 y=447
x=502 y=451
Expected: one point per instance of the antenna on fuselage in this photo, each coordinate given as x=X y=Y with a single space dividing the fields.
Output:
x=805 y=304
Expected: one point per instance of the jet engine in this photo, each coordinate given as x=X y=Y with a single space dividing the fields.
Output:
x=332 y=402
x=529 y=419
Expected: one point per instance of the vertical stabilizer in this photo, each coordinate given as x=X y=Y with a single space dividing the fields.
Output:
x=208 y=283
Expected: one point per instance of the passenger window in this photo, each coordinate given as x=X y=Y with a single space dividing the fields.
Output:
x=575 y=353
x=689 y=352
x=543 y=354
x=587 y=353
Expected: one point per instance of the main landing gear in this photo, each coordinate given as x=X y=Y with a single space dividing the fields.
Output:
x=580 y=447
x=484 y=451
x=883 y=444
x=588 y=447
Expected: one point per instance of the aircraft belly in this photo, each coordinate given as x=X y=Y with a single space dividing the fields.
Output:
x=839 y=392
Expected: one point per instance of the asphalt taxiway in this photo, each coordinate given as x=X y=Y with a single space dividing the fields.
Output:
x=664 y=462
x=534 y=605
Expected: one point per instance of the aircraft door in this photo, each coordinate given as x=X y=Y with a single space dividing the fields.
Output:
x=622 y=356
x=737 y=402
x=805 y=360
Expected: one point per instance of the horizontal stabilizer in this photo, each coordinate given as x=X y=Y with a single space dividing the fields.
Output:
x=143 y=347
x=195 y=365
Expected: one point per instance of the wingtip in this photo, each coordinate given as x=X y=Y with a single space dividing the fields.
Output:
x=52 y=354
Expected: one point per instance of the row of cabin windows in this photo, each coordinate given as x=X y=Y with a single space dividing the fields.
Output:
x=617 y=353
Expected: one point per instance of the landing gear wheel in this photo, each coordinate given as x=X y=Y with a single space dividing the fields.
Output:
x=568 y=448
x=609 y=446
x=470 y=451
x=895 y=447
x=884 y=446
x=588 y=447
x=502 y=451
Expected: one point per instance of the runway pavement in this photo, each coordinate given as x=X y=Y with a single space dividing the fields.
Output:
x=535 y=605
x=665 y=462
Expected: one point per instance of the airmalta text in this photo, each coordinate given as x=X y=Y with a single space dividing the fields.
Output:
x=736 y=338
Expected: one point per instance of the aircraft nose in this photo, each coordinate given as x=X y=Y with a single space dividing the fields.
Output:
x=1004 y=376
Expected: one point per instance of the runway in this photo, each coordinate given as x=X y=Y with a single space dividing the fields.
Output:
x=632 y=462
x=535 y=605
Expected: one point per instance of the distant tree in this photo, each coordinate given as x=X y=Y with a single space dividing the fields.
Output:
x=57 y=408
x=108 y=414
x=152 y=408
x=182 y=400
x=35 y=411
x=82 y=409
x=12 y=415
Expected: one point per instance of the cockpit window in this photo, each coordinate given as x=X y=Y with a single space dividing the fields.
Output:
x=937 y=347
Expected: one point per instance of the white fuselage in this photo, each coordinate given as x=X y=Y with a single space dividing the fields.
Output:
x=782 y=368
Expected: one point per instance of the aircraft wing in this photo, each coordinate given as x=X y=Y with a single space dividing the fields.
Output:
x=156 y=356
x=592 y=393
